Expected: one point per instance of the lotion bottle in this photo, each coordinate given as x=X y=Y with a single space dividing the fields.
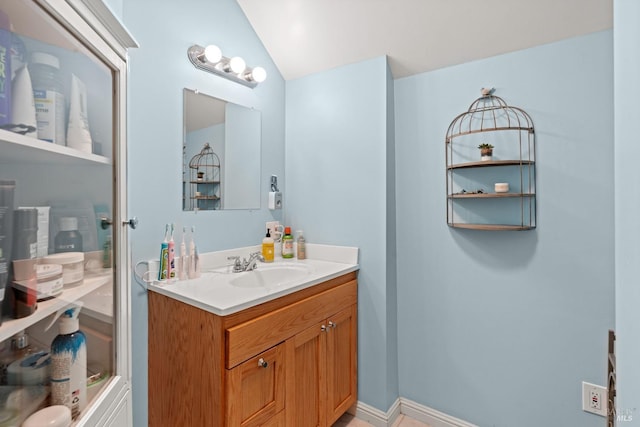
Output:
x=69 y=362
x=302 y=249
x=287 y=243
x=268 y=249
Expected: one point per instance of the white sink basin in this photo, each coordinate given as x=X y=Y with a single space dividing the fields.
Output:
x=271 y=276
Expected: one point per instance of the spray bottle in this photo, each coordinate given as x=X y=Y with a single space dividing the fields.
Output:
x=163 y=271
x=69 y=361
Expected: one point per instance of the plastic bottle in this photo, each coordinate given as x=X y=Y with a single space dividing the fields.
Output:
x=106 y=253
x=6 y=39
x=268 y=249
x=69 y=362
x=163 y=271
x=171 y=247
x=302 y=248
x=287 y=243
x=68 y=238
x=48 y=94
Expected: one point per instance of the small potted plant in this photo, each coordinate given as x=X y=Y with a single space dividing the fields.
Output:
x=486 y=151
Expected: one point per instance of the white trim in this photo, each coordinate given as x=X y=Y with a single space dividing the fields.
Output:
x=409 y=408
x=430 y=416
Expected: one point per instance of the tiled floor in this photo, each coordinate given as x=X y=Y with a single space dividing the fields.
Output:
x=350 y=421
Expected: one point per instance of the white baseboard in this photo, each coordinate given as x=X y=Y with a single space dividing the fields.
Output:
x=407 y=407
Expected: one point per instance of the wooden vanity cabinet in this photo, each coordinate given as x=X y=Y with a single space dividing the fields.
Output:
x=287 y=362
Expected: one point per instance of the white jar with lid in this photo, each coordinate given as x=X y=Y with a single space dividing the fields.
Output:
x=51 y=416
x=72 y=266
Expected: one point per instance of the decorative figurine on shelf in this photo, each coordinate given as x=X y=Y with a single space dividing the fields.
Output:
x=486 y=152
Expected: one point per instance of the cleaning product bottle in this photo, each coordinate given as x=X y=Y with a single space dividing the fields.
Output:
x=164 y=256
x=171 y=247
x=183 y=260
x=302 y=248
x=69 y=362
x=287 y=243
x=268 y=250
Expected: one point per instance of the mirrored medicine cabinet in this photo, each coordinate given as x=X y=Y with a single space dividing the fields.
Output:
x=221 y=154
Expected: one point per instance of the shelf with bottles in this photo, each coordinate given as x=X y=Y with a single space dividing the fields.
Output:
x=91 y=282
x=81 y=84
x=18 y=148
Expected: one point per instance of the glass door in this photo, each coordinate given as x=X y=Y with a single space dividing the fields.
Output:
x=57 y=178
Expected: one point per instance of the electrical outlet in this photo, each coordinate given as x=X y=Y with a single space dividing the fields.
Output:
x=271 y=225
x=594 y=399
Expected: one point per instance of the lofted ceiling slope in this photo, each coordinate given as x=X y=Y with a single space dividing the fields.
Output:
x=307 y=36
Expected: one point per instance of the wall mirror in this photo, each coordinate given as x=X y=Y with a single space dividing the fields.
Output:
x=221 y=154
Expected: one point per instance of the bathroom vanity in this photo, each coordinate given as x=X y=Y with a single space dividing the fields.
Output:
x=287 y=360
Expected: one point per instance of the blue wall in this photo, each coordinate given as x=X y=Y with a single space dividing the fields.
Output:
x=627 y=152
x=336 y=190
x=159 y=70
x=501 y=328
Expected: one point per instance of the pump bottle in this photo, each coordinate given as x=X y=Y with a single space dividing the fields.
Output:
x=268 y=249
x=69 y=362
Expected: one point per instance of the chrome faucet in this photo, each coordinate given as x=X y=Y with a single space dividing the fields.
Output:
x=246 y=265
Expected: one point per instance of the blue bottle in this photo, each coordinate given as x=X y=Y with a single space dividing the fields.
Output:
x=69 y=362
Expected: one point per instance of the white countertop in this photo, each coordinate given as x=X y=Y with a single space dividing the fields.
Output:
x=216 y=292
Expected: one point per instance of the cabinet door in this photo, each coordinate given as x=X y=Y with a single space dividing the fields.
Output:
x=65 y=162
x=341 y=339
x=255 y=389
x=306 y=380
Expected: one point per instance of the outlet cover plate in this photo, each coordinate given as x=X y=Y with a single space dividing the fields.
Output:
x=271 y=225
x=594 y=399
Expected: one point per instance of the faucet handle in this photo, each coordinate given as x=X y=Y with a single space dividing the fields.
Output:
x=237 y=265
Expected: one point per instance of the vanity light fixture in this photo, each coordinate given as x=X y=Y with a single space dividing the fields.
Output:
x=210 y=59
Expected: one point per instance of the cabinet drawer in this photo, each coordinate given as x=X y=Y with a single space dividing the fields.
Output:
x=256 y=335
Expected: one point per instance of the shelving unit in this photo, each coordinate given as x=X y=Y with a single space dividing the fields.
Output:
x=472 y=202
x=18 y=148
x=91 y=44
x=45 y=308
x=204 y=180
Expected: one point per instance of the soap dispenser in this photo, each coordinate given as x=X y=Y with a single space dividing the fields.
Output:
x=268 y=248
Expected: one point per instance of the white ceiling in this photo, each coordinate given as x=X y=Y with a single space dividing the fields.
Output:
x=307 y=36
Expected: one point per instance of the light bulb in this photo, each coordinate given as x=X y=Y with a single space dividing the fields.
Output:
x=237 y=64
x=212 y=53
x=258 y=74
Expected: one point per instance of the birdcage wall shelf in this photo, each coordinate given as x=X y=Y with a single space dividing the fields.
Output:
x=491 y=191
x=205 y=180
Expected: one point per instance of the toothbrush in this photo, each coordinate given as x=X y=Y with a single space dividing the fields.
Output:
x=184 y=258
x=172 y=254
x=164 y=256
x=193 y=256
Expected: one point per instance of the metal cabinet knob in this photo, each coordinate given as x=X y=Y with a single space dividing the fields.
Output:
x=332 y=325
x=107 y=222
x=133 y=223
x=323 y=328
x=262 y=363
